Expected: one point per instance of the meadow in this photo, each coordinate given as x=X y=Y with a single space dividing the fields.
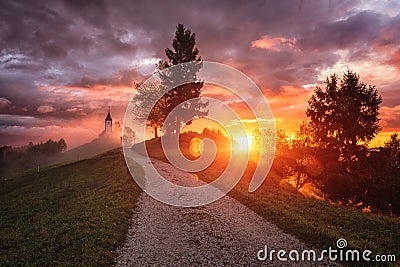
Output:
x=74 y=214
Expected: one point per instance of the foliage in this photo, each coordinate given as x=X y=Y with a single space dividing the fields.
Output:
x=393 y=143
x=129 y=136
x=183 y=51
x=143 y=100
x=282 y=142
x=344 y=115
x=13 y=160
x=380 y=173
x=48 y=148
x=393 y=147
x=372 y=181
x=302 y=166
x=331 y=150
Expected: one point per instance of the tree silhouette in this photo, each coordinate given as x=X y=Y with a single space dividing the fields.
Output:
x=393 y=142
x=62 y=145
x=147 y=94
x=48 y=148
x=128 y=139
x=392 y=145
x=344 y=115
x=183 y=51
x=303 y=156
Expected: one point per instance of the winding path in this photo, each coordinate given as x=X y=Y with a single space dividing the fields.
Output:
x=223 y=233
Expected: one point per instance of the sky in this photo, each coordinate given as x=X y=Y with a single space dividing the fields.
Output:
x=62 y=63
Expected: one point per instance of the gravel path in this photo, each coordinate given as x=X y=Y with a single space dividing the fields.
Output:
x=223 y=233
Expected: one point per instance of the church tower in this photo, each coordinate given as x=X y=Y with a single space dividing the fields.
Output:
x=108 y=124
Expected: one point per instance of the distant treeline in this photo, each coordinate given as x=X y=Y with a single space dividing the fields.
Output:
x=48 y=148
x=16 y=159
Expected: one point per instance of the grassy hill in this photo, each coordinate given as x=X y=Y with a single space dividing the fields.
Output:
x=15 y=160
x=75 y=214
x=91 y=149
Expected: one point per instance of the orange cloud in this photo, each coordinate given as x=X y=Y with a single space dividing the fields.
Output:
x=390 y=118
x=273 y=43
x=395 y=59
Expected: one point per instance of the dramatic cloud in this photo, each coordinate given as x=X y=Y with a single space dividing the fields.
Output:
x=4 y=102
x=395 y=59
x=273 y=43
x=358 y=29
x=391 y=118
x=62 y=63
x=45 y=109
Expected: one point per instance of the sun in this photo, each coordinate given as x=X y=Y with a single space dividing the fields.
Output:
x=242 y=143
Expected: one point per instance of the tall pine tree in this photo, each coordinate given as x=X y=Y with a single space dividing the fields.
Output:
x=183 y=51
x=345 y=115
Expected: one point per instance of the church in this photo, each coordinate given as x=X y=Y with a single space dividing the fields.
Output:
x=108 y=124
x=108 y=127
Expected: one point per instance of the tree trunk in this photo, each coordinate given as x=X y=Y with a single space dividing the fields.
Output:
x=155 y=132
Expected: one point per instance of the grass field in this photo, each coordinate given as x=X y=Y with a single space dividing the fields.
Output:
x=70 y=215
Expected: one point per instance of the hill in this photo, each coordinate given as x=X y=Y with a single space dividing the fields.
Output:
x=15 y=160
x=74 y=214
x=91 y=149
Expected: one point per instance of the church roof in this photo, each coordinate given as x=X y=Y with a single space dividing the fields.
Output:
x=108 y=118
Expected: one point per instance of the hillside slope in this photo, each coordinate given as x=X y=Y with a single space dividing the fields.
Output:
x=91 y=149
x=74 y=214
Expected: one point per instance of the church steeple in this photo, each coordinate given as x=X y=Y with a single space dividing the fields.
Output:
x=108 y=124
x=108 y=118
